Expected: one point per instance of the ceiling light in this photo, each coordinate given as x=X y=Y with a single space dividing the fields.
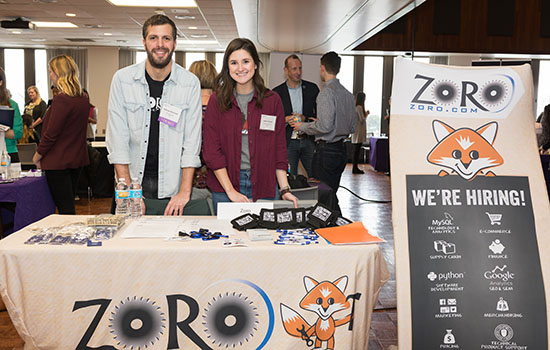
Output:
x=55 y=24
x=158 y=3
x=198 y=36
x=38 y=39
x=16 y=32
x=192 y=28
x=70 y=14
x=107 y=34
x=184 y=17
x=93 y=26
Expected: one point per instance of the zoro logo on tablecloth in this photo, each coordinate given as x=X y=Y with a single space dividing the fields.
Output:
x=325 y=299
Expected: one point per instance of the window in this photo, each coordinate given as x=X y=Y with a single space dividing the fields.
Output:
x=543 y=97
x=191 y=57
x=15 y=75
x=372 y=87
x=219 y=61
x=346 y=72
x=41 y=73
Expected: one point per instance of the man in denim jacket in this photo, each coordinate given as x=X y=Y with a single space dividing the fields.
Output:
x=154 y=125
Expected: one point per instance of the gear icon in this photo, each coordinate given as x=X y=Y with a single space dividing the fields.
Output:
x=445 y=92
x=493 y=93
x=230 y=320
x=137 y=323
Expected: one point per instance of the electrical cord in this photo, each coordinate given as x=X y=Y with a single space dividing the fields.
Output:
x=364 y=199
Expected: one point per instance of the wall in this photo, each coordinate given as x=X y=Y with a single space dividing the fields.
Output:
x=102 y=64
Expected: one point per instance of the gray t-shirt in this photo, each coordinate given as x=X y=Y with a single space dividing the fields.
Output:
x=243 y=101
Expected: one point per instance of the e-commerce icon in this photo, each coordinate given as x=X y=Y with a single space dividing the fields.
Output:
x=445 y=247
x=495 y=218
x=497 y=247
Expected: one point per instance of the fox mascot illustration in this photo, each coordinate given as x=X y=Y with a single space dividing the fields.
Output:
x=325 y=299
x=465 y=151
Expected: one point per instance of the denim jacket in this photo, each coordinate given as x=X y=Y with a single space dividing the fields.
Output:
x=129 y=118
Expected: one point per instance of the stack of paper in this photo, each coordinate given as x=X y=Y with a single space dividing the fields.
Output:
x=354 y=233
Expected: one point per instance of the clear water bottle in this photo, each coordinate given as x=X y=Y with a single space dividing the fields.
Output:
x=5 y=162
x=135 y=201
x=122 y=198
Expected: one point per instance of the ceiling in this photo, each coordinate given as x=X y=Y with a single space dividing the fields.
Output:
x=307 y=26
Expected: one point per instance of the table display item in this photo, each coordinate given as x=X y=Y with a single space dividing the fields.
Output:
x=206 y=235
x=320 y=216
x=135 y=199
x=259 y=234
x=267 y=219
x=5 y=162
x=297 y=237
x=245 y=222
x=122 y=198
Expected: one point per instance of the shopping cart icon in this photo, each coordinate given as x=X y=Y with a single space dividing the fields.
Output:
x=495 y=218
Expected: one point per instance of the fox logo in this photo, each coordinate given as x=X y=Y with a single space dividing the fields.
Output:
x=465 y=151
x=325 y=299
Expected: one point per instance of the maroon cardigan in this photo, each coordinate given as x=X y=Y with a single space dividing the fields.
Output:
x=63 y=143
x=221 y=144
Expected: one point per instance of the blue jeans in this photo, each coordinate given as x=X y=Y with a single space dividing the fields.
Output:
x=246 y=189
x=300 y=149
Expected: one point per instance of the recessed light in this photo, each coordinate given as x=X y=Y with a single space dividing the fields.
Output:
x=198 y=36
x=107 y=34
x=183 y=17
x=158 y=3
x=38 y=39
x=16 y=32
x=93 y=26
x=70 y=14
x=192 y=28
x=55 y=24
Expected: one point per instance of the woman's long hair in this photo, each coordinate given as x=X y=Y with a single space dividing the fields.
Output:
x=4 y=94
x=360 y=99
x=225 y=84
x=67 y=75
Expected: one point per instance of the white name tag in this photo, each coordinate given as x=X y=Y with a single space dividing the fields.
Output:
x=170 y=115
x=231 y=210
x=268 y=122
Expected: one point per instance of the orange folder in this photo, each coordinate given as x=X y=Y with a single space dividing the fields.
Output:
x=354 y=233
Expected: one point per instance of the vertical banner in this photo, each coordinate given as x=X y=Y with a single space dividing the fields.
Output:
x=471 y=213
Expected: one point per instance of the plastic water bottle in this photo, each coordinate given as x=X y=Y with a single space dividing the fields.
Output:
x=135 y=201
x=122 y=198
x=5 y=162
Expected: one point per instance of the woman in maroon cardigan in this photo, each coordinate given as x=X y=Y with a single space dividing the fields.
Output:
x=63 y=150
x=244 y=144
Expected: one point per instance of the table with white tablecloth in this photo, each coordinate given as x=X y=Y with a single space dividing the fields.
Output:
x=161 y=294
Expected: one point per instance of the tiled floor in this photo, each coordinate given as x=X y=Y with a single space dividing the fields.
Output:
x=375 y=215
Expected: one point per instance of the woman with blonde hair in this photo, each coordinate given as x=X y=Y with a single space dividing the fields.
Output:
x=63 y=149
x=36 y=107
x=206 y=72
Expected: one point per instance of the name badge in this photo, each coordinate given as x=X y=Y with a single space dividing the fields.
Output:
x=169 y=115
x=268 y=122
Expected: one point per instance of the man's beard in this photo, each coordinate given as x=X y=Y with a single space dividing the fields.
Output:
x=161 y=64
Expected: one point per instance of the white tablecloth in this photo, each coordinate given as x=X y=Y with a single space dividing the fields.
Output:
x=191 y=295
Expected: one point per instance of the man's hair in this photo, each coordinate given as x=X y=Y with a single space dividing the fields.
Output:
x=331 y=61
x=294 y=57
x=157 y=20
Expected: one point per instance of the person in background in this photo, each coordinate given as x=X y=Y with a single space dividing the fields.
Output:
x=63 y=150
x=161 y=154
x=544 y=142
x=16 y=131
x=299 y=101
x=206 y=72
x=29 y=134
x=36 y=108
x=336 y=120
x=244 y=143
x=55 y=92
x=92 y=119
x=360 y=134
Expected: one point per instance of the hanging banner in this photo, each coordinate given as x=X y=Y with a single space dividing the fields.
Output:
x=471 y=214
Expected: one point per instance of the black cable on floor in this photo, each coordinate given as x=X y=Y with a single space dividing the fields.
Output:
x=364 y=199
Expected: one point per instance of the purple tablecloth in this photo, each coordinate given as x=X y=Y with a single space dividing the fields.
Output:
x=379 y=153
x=32 y=199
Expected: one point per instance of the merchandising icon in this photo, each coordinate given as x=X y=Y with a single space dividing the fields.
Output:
x=448 y=306
x=230 y=320
x=445 y=247
x=497 y=247
x=137 y=323
x=503 y=332
x=449 y=338
x=432 y=276
x=502 y=305
x=495 y=218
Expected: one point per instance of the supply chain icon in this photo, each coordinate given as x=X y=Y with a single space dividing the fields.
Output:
x=449 y=338
x=444 y=247
x=497 y=247
x=495 y=218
